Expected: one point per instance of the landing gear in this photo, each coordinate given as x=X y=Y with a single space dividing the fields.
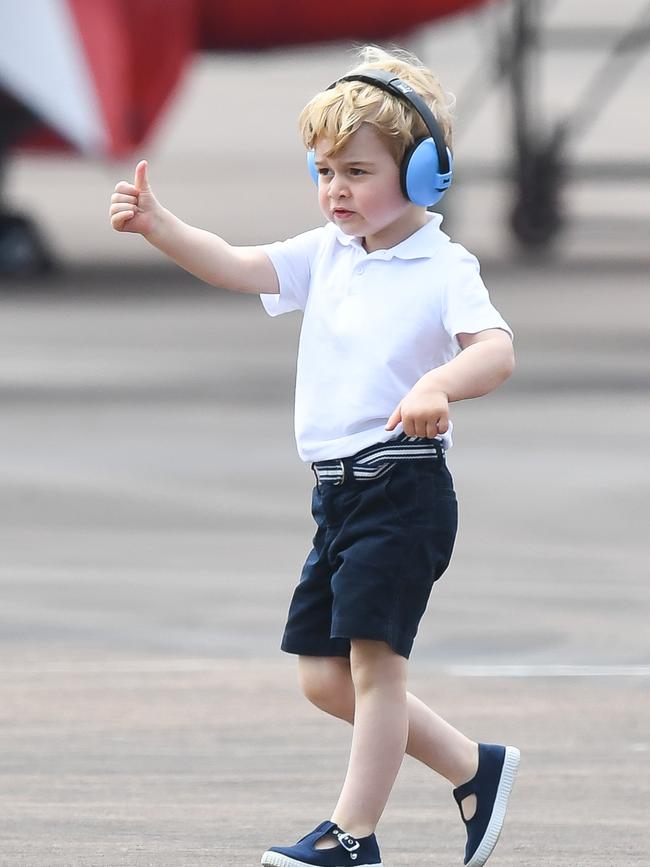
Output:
x=542 y=159
x=535 y=217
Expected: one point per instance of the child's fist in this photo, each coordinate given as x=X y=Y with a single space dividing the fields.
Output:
x=134 y=207
x=424 y=412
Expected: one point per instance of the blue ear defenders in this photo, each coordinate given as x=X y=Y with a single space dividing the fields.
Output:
x=427 y=166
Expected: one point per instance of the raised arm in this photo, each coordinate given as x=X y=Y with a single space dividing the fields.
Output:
x=134 y=208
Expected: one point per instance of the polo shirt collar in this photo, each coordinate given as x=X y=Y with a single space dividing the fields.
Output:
x=417 y=246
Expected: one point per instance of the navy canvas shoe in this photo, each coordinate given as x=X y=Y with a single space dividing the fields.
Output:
x=349 y=852
x=492 y=785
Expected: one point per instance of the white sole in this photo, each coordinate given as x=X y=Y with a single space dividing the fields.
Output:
x=276 y=859
x=489 y=841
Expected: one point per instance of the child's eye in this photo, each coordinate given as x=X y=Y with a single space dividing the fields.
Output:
x=324 y=172
x=357 y=172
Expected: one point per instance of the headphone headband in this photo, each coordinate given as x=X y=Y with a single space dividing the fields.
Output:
x=398 y=88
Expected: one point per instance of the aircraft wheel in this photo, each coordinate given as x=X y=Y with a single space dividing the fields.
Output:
x=22 y=250
x=536 y=217
x=534 y=225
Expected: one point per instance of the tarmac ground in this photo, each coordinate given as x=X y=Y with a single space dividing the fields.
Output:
x=155 y=518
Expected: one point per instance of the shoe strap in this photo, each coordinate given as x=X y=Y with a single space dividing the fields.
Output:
x=347 y=841
x=463 y=791
x=319 y=831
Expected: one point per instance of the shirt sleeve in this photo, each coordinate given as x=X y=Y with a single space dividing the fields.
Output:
x=292 y=260
x=467 y=306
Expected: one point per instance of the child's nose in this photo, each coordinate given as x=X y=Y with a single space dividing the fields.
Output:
x=338 y=187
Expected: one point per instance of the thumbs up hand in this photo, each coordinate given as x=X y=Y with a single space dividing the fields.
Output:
x=134 y=208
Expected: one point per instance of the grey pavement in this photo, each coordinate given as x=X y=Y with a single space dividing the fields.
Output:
x=155 y=517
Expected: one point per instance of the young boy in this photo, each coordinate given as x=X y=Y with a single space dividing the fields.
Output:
x=397 y=324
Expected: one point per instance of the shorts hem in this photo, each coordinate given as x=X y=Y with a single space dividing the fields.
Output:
x=401 y=646
x=329 y=647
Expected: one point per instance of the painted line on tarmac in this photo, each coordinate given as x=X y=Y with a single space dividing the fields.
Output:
x=137 y=666
x=547 y=670
x=127 y=666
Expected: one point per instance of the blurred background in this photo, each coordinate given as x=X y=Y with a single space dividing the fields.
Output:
x=551 y=138
x=154 y=511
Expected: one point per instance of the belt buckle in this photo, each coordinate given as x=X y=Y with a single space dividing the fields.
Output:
x=340 y=460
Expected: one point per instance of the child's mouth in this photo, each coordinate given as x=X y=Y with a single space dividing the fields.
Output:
x=341 y=213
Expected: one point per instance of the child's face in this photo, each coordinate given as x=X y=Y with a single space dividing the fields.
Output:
x=359 y=190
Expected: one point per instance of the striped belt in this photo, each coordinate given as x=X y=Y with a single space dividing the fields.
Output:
x=373 y=462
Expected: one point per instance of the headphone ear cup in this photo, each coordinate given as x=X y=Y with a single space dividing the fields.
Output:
x=422 y=181
x=311 y=165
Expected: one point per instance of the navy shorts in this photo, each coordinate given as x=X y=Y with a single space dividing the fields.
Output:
x=380 y=545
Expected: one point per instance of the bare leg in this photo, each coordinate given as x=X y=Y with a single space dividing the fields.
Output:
x=327 y=682
x=379 y=739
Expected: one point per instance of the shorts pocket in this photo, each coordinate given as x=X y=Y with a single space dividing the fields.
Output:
x=419 y=491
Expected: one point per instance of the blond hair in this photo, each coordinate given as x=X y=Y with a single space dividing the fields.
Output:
x=339 y=112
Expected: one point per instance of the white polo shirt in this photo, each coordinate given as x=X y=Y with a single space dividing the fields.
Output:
x=373 y=325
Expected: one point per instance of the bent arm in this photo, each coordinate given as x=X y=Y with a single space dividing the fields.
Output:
x=210 y=258
x=486 y=360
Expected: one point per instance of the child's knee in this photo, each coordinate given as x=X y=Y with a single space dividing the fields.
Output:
x=326 y=682
x=373 y=663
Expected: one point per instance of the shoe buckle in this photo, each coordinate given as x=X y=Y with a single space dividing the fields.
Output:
x=349 y=843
